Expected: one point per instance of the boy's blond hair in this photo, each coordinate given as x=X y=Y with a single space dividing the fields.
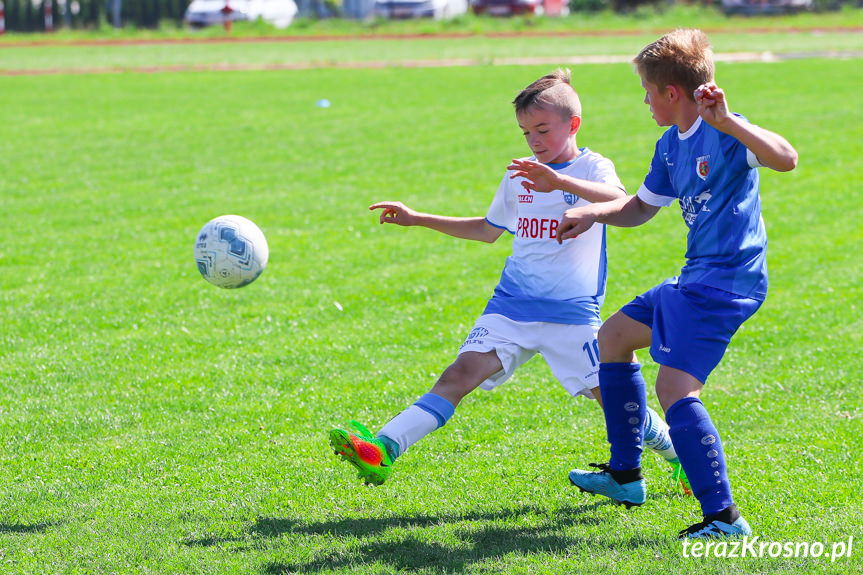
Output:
x=681 y=58
x=551 y=92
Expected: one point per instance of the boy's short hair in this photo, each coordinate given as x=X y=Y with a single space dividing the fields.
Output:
x=551 y=92
x=681 y=58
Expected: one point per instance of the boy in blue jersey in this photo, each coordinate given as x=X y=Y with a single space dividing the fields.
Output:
x=707 y=162
x=549 y=294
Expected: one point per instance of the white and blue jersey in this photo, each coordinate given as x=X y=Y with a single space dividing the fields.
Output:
x=542 y=280
x=713 y=178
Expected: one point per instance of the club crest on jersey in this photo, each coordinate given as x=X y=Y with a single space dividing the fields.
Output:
x=702 y=168
x=570 y=198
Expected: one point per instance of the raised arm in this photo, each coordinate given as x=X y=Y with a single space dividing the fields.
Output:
x=625 y=212
x=541 y=178
x=466 y=228
x=771 y=149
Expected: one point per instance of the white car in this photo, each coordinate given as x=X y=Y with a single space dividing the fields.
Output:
x=437 y=9
x=279 y=13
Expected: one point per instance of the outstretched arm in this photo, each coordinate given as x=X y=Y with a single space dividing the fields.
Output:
x=771 y=149
x=625 y=212
x=466 y=228
x=541 y=178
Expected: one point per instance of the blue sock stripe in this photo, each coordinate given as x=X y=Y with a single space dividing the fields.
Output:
x=436 y=405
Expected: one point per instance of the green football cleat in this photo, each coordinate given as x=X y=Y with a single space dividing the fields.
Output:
x=679 y=476
x=362 y=450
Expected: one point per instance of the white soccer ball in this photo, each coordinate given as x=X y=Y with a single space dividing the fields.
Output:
x=231 y=251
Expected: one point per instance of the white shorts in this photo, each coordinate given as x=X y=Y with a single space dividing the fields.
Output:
x=569 y=350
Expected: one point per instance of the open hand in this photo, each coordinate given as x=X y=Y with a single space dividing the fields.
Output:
x=537 y=177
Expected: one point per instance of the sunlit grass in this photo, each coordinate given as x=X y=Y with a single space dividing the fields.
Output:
x=152 y=423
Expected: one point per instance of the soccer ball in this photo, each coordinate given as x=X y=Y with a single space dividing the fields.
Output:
x=231 y=251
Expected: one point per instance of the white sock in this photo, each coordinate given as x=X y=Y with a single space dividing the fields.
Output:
x=409 y=426
x=656 y=437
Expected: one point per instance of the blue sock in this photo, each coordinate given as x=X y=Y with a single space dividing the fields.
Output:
x=624 y=401
x=433 y=403
x=700 y=451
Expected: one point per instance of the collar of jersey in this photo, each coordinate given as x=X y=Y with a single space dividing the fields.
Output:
x=692 y=129
x=562 y=165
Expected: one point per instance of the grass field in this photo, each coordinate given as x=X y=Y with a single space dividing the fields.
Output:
x=151 y=423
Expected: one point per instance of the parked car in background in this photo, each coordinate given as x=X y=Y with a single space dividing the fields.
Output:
x=507 y=7
x=766 y=6
x=437 y=9
x=279 y=13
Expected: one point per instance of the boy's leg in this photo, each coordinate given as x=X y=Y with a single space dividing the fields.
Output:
x=373 y=456
x=700 y=451
x=624 y=401
x=658 y=440
x=433 y=410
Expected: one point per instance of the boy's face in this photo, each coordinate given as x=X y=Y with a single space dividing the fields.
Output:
x=660 y=106
x=550 y=137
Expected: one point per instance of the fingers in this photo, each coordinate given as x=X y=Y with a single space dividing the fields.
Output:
x=569 y=235
x=390 y=211
x=709 y=94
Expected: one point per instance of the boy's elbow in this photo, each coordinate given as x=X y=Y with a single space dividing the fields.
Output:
x=792 y=161
x=784 y=162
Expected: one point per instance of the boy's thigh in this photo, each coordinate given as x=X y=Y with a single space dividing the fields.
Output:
x=691 y=325
x=509 y=339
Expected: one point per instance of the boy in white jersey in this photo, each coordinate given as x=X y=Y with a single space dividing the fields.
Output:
x=549 y=295
x=707 y=161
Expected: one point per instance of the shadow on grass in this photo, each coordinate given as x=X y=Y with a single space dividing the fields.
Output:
x=25 y=528
x=480 y=536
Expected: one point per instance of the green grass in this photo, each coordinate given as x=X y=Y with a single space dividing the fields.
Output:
x=151 y=423
x=478 y=50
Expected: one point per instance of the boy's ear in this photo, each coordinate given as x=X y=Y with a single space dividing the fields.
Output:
x=673 y=93
x=575 y=125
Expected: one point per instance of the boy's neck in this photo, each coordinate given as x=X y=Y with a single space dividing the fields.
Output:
x=574 y=153
x=687 y=117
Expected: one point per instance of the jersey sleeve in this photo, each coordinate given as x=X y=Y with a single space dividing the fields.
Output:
x=604 y=173
x=657 y=189
x=503 y=212
x=742 y=158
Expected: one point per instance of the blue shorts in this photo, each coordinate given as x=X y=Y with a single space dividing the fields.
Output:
x=691 y=324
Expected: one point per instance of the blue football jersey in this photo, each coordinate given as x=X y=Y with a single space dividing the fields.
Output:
x=714 y=179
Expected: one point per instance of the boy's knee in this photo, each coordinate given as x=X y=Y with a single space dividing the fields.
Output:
x=612 y=344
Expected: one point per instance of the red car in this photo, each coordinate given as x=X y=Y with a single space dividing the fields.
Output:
x=507 y=7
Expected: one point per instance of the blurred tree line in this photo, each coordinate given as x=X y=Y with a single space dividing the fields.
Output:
x=29 y=15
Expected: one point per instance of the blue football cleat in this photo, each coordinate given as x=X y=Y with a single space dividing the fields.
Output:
x=601 y=482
